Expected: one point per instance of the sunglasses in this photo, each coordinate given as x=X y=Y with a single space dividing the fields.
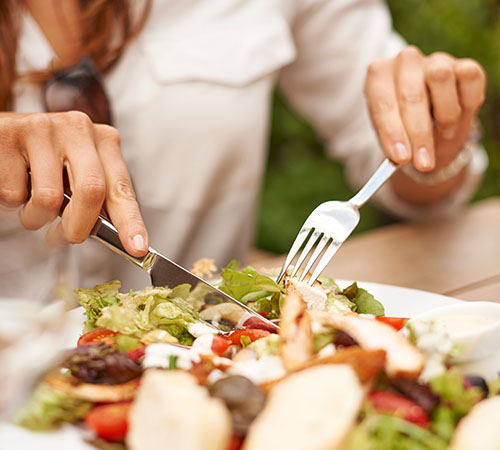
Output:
x=79 y=88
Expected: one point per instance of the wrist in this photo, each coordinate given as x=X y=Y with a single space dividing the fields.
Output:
x=454 y=168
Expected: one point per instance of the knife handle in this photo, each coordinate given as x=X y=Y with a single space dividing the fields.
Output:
x=106 y=233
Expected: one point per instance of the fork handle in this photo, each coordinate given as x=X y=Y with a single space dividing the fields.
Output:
x=381 y=175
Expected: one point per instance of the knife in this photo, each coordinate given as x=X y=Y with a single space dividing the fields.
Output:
x=165 y=272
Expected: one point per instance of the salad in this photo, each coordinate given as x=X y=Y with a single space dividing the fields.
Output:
x=150 y=372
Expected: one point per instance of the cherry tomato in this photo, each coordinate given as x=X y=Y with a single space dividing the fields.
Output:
x=220 y=345
x=252 y=333
x=396 y=404
x=395 y=322
x=98 y=335
x=109 y=421
x=137 y=353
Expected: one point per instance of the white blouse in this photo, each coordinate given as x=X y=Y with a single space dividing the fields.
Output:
x=191 y=98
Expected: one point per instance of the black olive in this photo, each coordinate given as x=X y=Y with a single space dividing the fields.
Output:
x=419 y=393
x=479 y=382
x=101 y=364
x=343 y=339
x=243 y=398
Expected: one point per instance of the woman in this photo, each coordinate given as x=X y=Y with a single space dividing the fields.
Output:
x=190 y=90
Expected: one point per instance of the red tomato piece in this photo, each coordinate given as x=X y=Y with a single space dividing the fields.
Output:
x=98 y=335
x=220 y=345
x=396 y=404
x=137 y=353
x=255 y=323
x=252 y=333
x=395 y=322
x=109 y=421
x=235 y=443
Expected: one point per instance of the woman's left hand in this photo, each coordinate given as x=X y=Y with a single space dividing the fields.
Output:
x=423 y=106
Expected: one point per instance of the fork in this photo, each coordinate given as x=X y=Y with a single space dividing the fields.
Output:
x=330 y=224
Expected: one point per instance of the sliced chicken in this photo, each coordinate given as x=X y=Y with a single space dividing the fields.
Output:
x=479 y=429
x=171 y=411
x=314 y=296
x=402 y=358
x=295 y=332
x=366 y=363
x=310 y=410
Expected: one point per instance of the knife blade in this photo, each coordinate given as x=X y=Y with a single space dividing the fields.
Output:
x=165 y=272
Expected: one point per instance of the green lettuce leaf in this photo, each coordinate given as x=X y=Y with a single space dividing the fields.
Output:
x=339 y=303
x=126 y=343
x=383 y=432
x=94 y=300
x=365 y=303
x=270 y=305
x=456 y=402
x=494 y=387
x=328 y=282
x=321 y=340
x=47 y=409
x=138 y=313
x=246 y=285
x=265 y=346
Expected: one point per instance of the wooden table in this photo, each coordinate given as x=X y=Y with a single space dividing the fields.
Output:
x=458 y=256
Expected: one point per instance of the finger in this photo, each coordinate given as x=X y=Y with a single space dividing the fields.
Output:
x=471 y=80
x=121 y=203
x=382 y=102
x=87 y=182
x=54 y=237
x=13 y=166
x=413 y=104
x=442 y=84
x=14 y=181
x=46 y=175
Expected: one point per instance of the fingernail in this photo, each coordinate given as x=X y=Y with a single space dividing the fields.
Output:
x=424 y=158
x=402 y=151
x=139 y=243
x=449 y=133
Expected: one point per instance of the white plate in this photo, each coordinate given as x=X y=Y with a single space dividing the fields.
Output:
x=397 y=301
x=403 y=302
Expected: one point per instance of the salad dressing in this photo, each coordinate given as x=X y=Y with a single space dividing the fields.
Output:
x=159 y=355
x=267 y=368
x=203 y=344
x=462 y=324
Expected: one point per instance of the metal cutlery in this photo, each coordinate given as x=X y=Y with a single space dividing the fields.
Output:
x=329 y=225
x=164 y=272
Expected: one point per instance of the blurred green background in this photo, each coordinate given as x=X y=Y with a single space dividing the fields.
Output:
x=299 y=175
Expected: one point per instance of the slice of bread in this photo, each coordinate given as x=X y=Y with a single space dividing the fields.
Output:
x=480 y=429
x=97 y=393
x=171 y=411
x=314 y=409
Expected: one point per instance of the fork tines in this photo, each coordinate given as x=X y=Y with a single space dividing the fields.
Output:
x=312 y=237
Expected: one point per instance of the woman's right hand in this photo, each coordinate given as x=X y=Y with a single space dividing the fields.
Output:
x=49 y=143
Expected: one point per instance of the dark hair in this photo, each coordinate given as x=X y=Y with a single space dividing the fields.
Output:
x=108 y=26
